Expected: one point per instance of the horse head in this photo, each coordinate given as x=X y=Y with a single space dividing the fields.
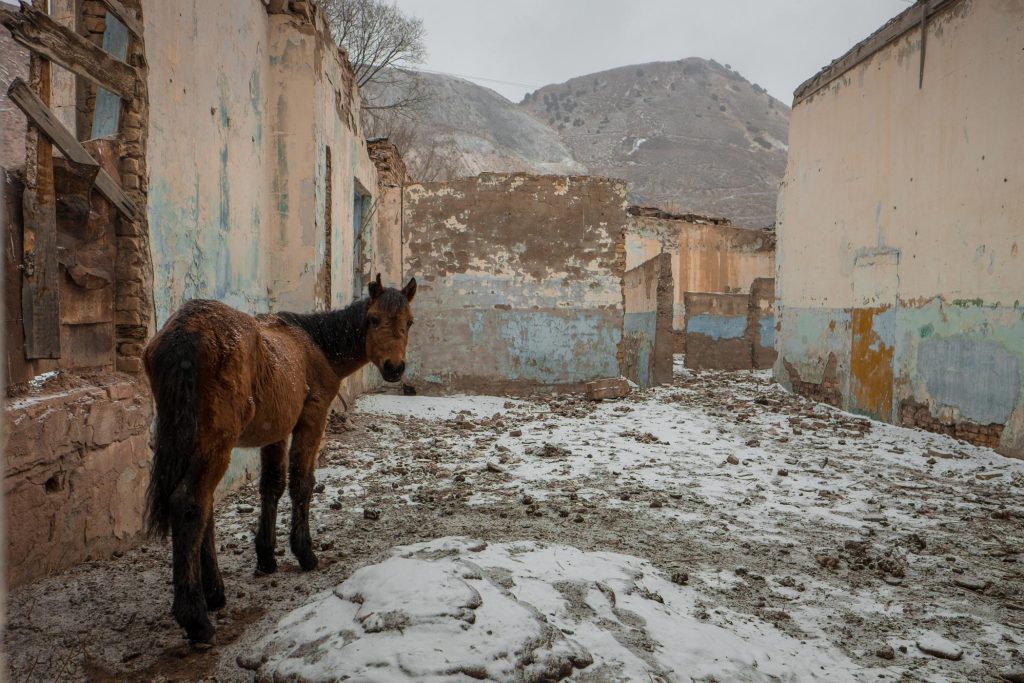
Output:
x=388 y=319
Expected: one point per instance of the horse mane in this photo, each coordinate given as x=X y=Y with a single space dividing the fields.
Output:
x=341 y=333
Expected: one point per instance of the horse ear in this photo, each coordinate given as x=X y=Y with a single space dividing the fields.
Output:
x=375 y=288
x=410 y=290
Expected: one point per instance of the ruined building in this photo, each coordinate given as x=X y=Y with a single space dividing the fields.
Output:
x=901 y=226
x=250 y=183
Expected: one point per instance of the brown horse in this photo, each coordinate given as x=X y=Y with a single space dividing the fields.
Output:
x=222 y=378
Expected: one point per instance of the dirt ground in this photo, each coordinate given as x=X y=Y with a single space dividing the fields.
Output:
x=864 y=539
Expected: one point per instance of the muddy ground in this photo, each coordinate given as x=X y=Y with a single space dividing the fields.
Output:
x=863 y=538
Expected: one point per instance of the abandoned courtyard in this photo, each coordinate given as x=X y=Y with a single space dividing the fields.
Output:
x=717 y=528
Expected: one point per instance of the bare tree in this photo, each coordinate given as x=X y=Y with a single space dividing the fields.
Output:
x=428 y=158
x=382 y=44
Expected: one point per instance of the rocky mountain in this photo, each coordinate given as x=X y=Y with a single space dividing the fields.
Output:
x=689 y=136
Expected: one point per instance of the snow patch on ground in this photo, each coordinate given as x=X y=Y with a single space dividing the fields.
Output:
x=433 y=407
x=454 y=608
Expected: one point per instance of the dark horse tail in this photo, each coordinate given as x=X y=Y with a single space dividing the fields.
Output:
x=174 y=374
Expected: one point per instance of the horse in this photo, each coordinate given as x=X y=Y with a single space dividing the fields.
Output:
x=222 y=378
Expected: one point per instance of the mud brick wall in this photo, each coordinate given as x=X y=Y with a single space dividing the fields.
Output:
x=761 y=322
x=520 y=281
x=77 y=470
x=647 y=337
x=716 y=331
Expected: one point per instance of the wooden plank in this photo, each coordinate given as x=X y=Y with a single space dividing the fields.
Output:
x=41 y=34
x=108 y=105
x=47 y=121
x=40 y=291
x=126 y=17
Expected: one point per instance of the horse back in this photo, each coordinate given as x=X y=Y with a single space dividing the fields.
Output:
x=251 y=373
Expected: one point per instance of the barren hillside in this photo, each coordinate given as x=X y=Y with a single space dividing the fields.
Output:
x=690 y=135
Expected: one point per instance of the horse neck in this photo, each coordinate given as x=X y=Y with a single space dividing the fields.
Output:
x=339 y=334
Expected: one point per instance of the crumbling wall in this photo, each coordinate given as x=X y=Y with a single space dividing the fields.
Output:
x=716 y=331
x=761 y=323
x=708 y=254
x=392 y=177
x=899 y=264
x=77 y=467
x=647 y=337
x=520 y=281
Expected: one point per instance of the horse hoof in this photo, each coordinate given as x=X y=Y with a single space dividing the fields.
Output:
x=264 y=568
x=201 y=634
x=308 y=562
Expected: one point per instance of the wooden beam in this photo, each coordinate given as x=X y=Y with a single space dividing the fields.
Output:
x=39 y=114
x=41 y=34
x=127 y=16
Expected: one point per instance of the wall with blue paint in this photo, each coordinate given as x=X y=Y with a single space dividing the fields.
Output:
x=904 y=198
x=647 y=335
x=243 y=106
x=716 y=331
x=520 y=281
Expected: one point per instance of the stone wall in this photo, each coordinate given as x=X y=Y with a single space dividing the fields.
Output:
x=901 y=256
x=77 y=467
x=520 y=281
x=647 y=337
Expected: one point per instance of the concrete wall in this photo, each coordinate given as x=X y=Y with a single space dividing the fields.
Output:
x=708 y=255
x=901 y=226
x=647 y=324
x=520 y=281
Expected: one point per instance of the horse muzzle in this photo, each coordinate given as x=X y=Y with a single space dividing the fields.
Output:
x=392 y=372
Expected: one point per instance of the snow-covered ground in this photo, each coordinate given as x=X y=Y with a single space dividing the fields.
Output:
x=716 y=530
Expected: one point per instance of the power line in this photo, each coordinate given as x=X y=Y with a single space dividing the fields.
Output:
x=476 y=78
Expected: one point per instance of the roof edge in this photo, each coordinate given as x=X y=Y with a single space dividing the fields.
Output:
x=891 y=31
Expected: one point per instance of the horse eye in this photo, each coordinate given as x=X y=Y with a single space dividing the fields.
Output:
x=374 y=320
x=408 y=324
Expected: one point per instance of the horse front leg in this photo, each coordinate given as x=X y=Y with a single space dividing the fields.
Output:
x=302 y=459
x=272 y=481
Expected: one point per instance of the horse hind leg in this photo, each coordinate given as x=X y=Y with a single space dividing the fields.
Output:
x=191 y=514
x=302 y=459
x=272 y=483
x=213 y=582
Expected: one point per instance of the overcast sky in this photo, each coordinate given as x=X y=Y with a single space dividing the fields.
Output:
x=775 y=43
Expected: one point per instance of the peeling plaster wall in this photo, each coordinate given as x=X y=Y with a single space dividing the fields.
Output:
x=901 y=224
x=706 y=257
x=647 y=325
x=244 y=105
x=520 y=281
